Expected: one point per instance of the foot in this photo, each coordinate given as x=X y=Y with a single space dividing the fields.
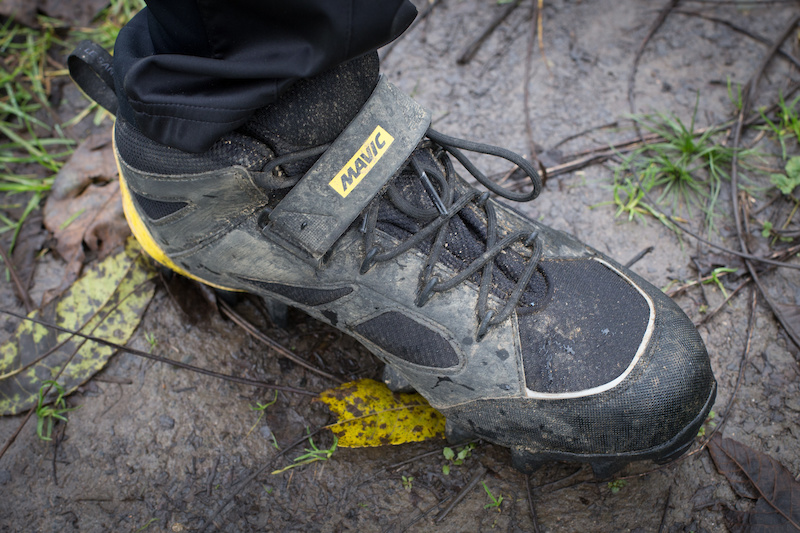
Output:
x=341 y=201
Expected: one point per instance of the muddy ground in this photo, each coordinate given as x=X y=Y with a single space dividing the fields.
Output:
x=158 y=449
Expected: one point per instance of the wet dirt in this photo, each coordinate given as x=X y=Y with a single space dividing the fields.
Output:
x=153 y=448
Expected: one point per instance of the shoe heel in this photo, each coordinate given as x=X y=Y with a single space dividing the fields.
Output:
x=278 y=312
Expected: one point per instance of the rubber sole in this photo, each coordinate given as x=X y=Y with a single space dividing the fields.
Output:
x=603 y=466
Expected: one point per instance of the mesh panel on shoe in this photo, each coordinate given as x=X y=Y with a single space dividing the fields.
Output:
x=156 y=209
x=149 y=156
x=409 y=340
x=301 y=295
x=656 y=403
x=593 y=325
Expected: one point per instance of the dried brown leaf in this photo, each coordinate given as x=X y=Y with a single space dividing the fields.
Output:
x=778 y=506
x=84 y=207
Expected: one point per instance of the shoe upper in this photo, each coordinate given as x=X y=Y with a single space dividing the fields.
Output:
x=513 y=330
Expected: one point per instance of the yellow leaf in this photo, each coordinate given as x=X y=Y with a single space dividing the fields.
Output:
x=371 y=415
x=106 y=302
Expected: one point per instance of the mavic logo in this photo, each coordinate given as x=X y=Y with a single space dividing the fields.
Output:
x=362 y=162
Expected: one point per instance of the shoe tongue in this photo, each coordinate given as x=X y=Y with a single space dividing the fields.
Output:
x=315 y=111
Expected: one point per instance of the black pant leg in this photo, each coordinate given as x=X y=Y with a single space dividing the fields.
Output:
x=189 y=71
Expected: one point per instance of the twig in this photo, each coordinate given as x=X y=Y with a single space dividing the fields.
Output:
x=246 y=481
x=745 y=356
x=13 y=437
x=526 y=92
x=747 y=102
x=717 y=309
x=584 y=132
x=472 y=48
x=469 y=486
x=725 y=249
x=749 y=91
x=423 y=514
x=662 y=16
x=743 y=31
x=21 y=291
x=530 y=504
x=243 y=323
x=179 y=364
x=418 y=457
x=211 y=475
x=638 y=257
x=662 y=527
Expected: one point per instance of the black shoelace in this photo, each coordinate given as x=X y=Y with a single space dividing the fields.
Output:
x=436 y=220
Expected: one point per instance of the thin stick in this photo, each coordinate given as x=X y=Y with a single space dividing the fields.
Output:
x=526 y=92
x=469 y=486
x=745 y=356
x=251 y=477
x=242 y=322
x=422 y=514
x=22 y=292
x=585 y=132
x=211 y=476
x=748 y=98
x=743 y=31
x=709 y=316
x=662 y=16
x=472 y=48
x=140 y=353
x=638 y=257
x=531 y=507
x=13 y=437
x=663 y=525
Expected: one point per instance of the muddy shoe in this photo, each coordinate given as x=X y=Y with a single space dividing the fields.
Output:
x=341 y=201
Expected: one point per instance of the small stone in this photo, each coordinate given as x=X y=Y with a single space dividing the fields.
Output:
x=166 y=422
x=775 y=401
x=793 y=403
x=5 y=477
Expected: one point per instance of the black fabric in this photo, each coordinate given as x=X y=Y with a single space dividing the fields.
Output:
x=592 y=327
x=189 y=71
x=309 y=113
x=302 y=295
x=156 y=209
x=409 y=340
x=660 y=398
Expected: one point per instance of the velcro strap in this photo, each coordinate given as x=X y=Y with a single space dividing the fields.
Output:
x=343 y=181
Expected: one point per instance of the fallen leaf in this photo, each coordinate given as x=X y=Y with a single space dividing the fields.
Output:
x=85 y=207
x=29 y=244
x=371 y=415
x=108 y=302
x=778 y=505
x=74 y=12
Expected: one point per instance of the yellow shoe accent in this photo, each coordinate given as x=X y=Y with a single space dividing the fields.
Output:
x=141 y=233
